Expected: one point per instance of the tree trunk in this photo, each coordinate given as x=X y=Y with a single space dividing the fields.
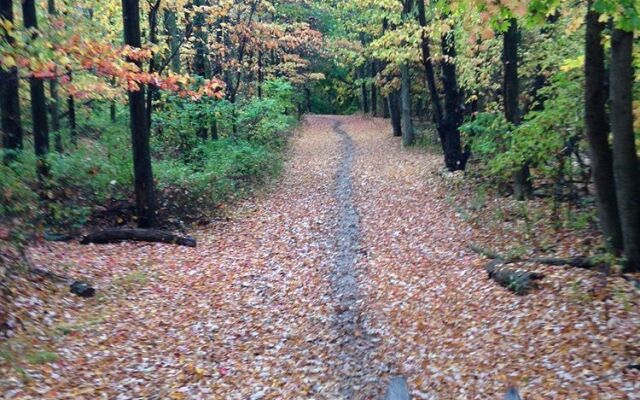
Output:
x=625 y=159
x=408 y=135
x=394 y=110
x=428 y=68
x=597 y=131
x=153 y=38
x=521 y=177
x=364 y=95
x=71 y=110
x=54 y=103
x=171 y=30
x=38 y=100
x=374 y=89
x=454 y=158
x=143 y=175
x=9 y=97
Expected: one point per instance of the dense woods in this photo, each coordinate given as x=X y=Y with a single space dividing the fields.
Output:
x=319 y=150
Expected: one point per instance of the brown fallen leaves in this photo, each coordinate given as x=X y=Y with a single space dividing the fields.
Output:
x=250 y=313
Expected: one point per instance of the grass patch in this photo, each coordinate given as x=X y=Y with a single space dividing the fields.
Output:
x=39 y=357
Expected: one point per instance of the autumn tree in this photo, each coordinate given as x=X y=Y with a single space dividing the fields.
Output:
x=38 y=98
x=9 y=84
x=143 y=174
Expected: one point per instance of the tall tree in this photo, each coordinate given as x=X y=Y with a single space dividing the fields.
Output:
x=521 y=177
x=449 y=126
x=408 y=134
x=9 y=98
x=625 y=157
x=597 y=130
x=171 y=30
x=54 y=102
x=143 y=174
x=427 y=63
x=374 y=90
x=38 y=99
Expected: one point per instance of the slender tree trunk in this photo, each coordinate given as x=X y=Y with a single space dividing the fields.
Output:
x=597 y=131
x=374 y=89
x=625 y=159
x=153 y=38
x=142 y=171
x=9 y=97
x=38 y=100
x=395 y=112
x=408 y=134
x=171 y=30
x=260 y=74
x=54 y=103
x=428 y=69
x=521 y=177
x=364 y=95
x=71 y=111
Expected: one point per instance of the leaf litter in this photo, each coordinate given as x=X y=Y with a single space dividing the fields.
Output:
x=254 y=311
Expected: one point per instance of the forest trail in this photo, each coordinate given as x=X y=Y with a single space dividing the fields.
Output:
x=353 y=268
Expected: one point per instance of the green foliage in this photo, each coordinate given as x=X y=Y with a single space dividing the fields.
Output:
x=541 y=139
x=192 y=174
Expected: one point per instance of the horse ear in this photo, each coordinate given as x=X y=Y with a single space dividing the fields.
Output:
x=512 y=394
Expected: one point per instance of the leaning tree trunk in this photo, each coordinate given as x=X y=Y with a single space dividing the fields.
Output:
x=429 y=71
x=521 y=177
x=9 y=97
x=625 y=158
x=38 y=100
x=597 y=131
x=143 y=174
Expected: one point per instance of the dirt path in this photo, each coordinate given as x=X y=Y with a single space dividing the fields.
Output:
x=351 y=269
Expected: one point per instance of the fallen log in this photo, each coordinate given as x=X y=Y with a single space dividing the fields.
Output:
x=518 y=281
x=138 y=235
x=578 y=262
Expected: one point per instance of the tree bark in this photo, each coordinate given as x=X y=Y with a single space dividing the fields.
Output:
x=71 y=110
x=429 y=71
x=394 y=111
x=140 y=235
x=408 y=134
x=9 y=97
x=449 y=128
x=38 y=100
x=171 y=30
x=374 y=89
x=142 y=171
x=518 y=281
x=625 y=159
x=54 y=102
x=364 y=95
x=153 y=38
x=521 y=177
x=597 y=131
